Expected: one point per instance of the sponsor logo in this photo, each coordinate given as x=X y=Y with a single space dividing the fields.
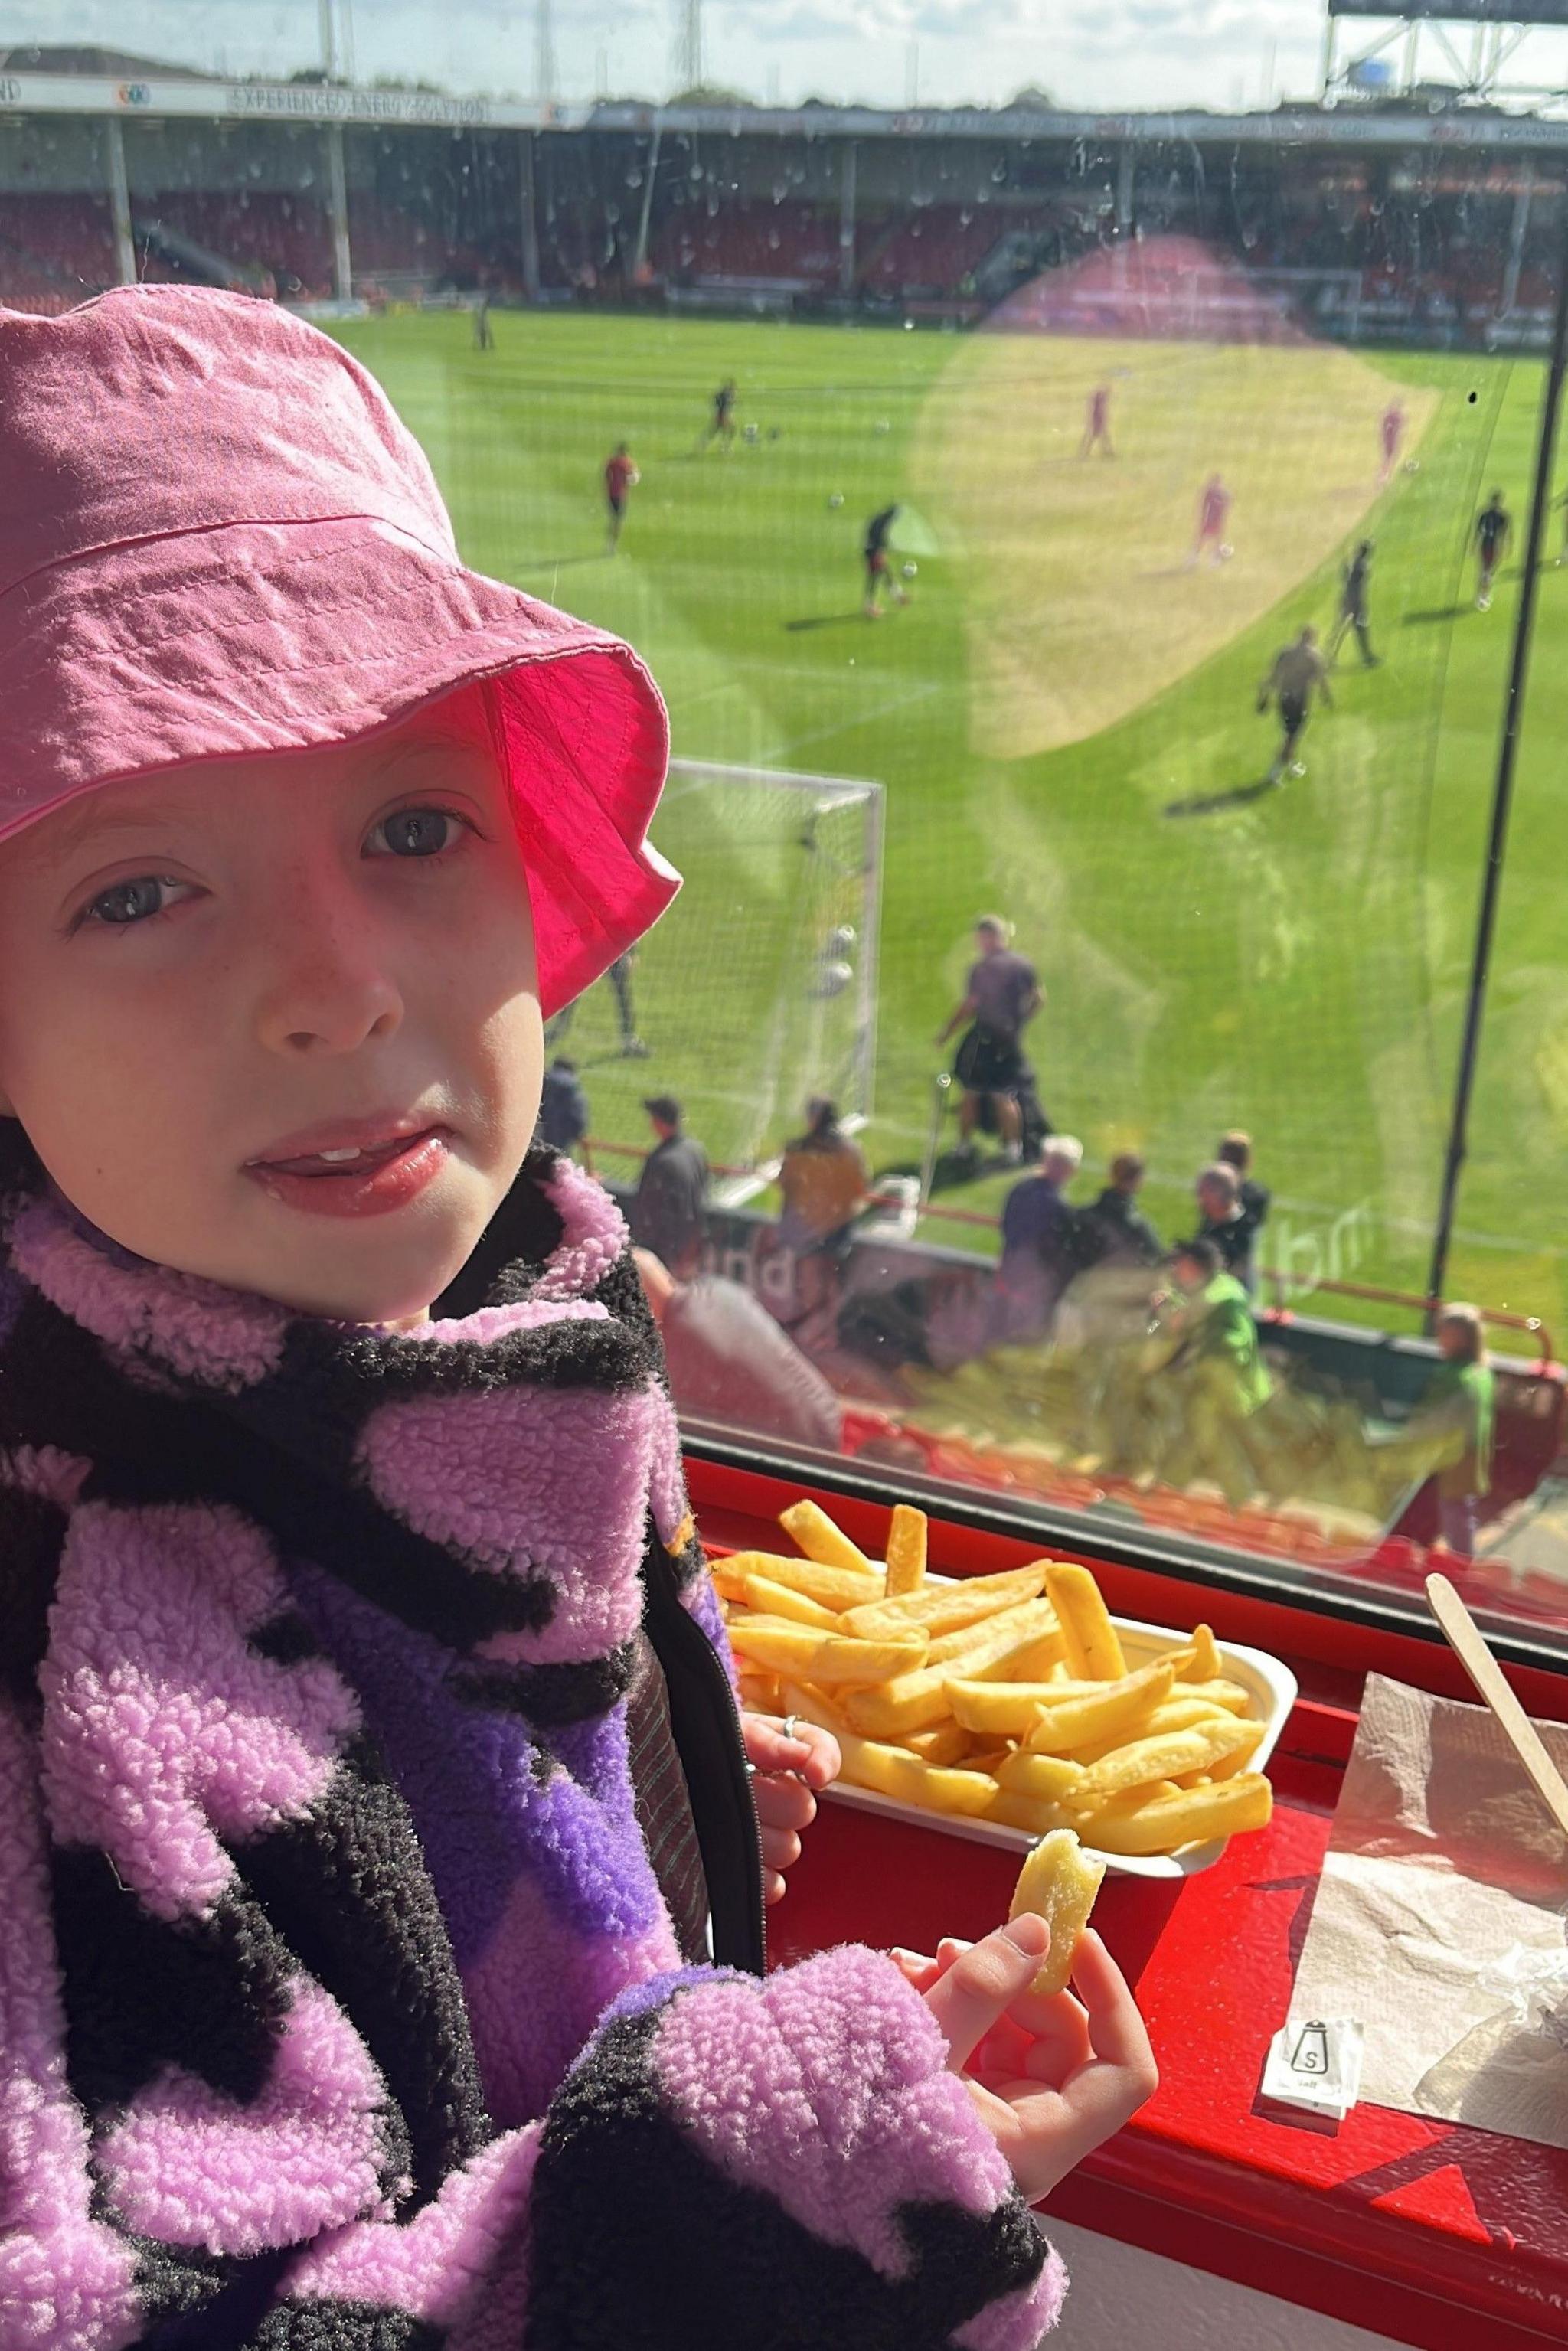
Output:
x=134 y=93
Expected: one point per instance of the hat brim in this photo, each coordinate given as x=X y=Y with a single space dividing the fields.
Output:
x=290 y=636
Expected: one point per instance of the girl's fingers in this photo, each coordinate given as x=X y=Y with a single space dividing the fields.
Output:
x=1117 y=2034
x=976 y=1990
x=914 y=1968
x=767 y=1749
x=780 y=1849
x=824 y=1763
x=772 y=1885
x=783 y=1802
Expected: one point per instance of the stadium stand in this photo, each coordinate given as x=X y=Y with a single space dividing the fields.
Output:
x=54 y=249
x=251 y=233
x=782 y=243
x=935 y=251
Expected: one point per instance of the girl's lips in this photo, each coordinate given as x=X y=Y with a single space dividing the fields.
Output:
x=378 y=1177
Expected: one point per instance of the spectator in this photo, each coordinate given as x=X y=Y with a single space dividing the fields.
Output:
x=1039 y=1243
x=824 y=1181
x=1213 y=1380
x=1001 y=996
x=669 y=1210
x=729 y=1361
x=1225 y=1221
x=1115 y=1230
x=1459 y=1408
x=563 y=1106
x=1236 y=1151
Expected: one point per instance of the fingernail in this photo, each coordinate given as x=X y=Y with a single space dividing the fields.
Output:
x=1030 y=1935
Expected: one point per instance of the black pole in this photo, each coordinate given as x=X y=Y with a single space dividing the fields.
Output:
x=1502 y=794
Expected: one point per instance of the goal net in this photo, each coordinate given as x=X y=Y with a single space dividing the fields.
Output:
x=758 y=987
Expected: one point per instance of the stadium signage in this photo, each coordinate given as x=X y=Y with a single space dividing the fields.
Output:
x=309 y=102
x=263 y=101
x=89 y=94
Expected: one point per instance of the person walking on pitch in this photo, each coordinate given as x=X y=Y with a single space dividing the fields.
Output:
x=1097 y=423
x=1392 y=429
x=1213 y=512
x=621 y=475
x=1494 y=528
x=1299 y=670
x=721 y=428
x=1353 y=613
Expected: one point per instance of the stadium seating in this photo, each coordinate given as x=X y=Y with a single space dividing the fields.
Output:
x=53 y=250
x=788 y=243
x=257 y=231
x=388 y=242
x=933 y=251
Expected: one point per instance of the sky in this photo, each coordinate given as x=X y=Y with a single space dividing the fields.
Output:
x=1100 y=54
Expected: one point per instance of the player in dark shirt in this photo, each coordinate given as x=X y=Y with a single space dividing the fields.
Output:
x=1001 y=996
x=1353 y=613
x=723 y=425
x=1494 y=527
x=879 y=573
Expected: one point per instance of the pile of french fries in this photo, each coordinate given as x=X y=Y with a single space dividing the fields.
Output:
x=1000 y=1698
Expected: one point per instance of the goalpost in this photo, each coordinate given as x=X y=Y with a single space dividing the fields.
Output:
x=770 y=954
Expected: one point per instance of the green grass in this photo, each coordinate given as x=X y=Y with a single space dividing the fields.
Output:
x=1296 y=965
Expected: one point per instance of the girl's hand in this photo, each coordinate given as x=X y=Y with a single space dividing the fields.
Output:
x=786 y=1774
x=1051 y=2078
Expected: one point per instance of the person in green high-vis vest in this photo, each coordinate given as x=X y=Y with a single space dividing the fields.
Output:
x=1213 y=1379
x=1460 y=1407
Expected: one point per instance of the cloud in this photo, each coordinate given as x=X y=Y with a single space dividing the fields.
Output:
x=1106 y=54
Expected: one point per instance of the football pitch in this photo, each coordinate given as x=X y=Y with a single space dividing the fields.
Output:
x=1064 y=720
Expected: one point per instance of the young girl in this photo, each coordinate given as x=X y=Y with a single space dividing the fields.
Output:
x=373 y=1806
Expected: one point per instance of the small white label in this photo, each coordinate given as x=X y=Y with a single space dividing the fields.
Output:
x=1314 y=2062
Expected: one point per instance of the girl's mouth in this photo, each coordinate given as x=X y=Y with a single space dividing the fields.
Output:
x=365 y=1179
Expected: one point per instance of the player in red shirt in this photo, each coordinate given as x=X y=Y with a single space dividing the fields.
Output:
x=1212 y=515
x=620 y=476
x=1393 y=431
x=1097 y=422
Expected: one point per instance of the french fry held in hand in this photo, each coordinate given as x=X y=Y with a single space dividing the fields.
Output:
x=1002 y=1696
x=1059 y=1882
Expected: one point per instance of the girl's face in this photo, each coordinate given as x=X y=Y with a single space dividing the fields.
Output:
x=274 y=1021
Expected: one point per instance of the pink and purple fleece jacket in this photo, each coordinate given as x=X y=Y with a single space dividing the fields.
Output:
x=344 y=2002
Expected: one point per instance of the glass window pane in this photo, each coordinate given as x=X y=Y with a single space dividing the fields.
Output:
x=1082 y=552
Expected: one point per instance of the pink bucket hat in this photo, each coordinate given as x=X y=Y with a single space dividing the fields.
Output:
x=217 y=539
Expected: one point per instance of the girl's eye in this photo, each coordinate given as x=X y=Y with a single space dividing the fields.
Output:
x=416 y=832
x=132 y=902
